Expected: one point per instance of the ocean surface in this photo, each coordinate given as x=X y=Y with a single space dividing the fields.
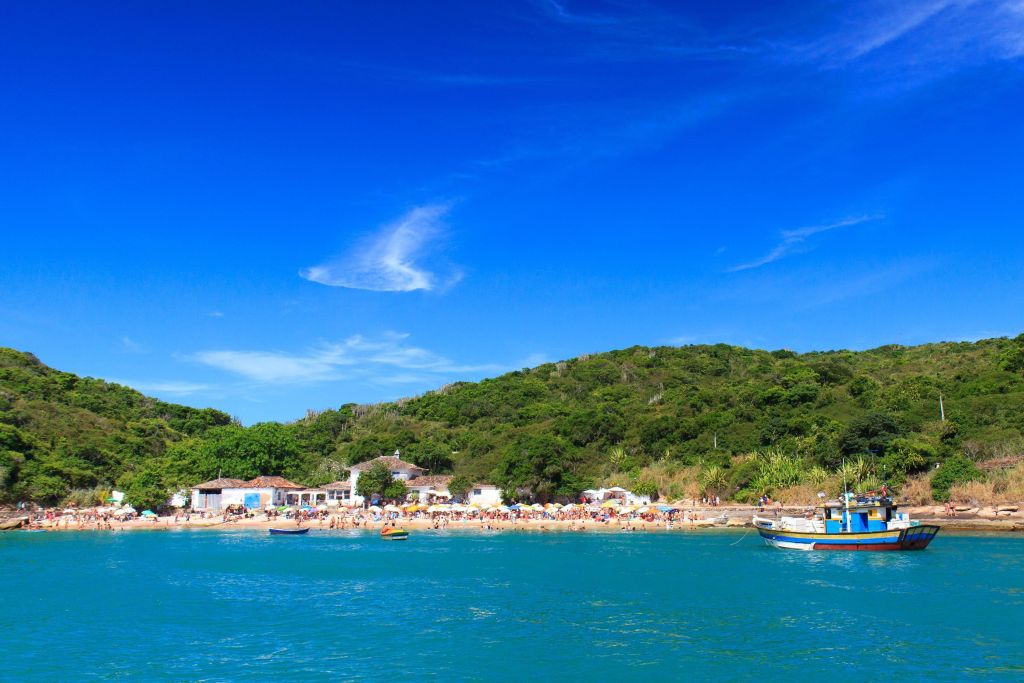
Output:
x=511 y=606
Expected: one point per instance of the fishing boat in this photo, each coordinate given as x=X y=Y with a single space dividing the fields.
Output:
x=393 y=533
x=868 y=522
x=288 y=532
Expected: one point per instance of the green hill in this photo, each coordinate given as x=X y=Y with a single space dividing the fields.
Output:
x=629 y=416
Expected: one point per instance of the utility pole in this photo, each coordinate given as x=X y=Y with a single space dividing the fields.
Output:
x=942 y=409
x=716 y=441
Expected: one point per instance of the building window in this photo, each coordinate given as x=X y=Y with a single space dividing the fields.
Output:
x=478 y=492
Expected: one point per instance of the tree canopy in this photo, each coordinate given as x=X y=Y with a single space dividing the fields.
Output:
x=540 y=433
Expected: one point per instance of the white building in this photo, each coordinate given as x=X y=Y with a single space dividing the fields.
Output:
x=484 y=495
x=209 y=496
x=436 y=487
x=616 y=493
x=340 y=493
x=257 y=494
x=430 y=488
x=425 y=488
x=399 y=470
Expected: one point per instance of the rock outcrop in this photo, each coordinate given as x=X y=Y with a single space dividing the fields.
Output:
x=13 y=523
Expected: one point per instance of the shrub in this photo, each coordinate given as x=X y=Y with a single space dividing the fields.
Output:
x=646 y=487
x=956 y=470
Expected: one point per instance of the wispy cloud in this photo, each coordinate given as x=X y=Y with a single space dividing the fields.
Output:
x=624 y=32
x=891 y=26
x=793 y=240
x=921 y=40
x=171 y=387
x=130 y=345
x=355 y=358
x=393 y=259
x=215 y=314
x=865 y=283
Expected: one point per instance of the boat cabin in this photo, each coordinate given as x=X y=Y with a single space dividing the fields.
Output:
x=865 y=514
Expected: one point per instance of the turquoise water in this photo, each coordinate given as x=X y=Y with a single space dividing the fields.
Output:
x=452 y=606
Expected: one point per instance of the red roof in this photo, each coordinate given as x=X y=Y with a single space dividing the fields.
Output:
x=221 y=483
x=433 y=481
x=392 y=462
x=272 y=483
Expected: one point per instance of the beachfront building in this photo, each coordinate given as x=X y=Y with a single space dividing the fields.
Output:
x=208 y=496
x=429 y=489
x=399 y=470
x=339 y=493
x=484 y=495
x=306 y=496
x=261 y=492
x=616 y=493
x=434 y=488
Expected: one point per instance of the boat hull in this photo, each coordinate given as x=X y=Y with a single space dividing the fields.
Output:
x=912 y=538
x=288 y=532
x=399 y=535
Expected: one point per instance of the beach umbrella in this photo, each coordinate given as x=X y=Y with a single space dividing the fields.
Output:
x=644 y=510
x=392 y=508
x=373 y=508
x=321 y=506
x=517 y=506
x=538 y=507
x=610 y=504
x=665 y=508
x=148 y=513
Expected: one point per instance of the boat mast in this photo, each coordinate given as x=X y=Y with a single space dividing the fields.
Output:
x=846 y=498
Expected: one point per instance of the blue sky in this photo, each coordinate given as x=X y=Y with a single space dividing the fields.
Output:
x=269 y=207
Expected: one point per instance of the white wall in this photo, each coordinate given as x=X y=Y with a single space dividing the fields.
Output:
x=237 y=496
x=489 y=495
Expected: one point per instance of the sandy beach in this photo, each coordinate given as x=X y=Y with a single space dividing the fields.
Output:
x=729 y=516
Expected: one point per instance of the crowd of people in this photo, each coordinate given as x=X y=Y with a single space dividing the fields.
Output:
x=578 y=516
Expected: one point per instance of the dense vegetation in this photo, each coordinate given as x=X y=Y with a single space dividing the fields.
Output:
x=717 y=419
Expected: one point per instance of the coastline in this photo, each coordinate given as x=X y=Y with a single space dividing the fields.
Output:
x=738 y=517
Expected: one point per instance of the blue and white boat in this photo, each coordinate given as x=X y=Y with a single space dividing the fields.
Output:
x=855 y=523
